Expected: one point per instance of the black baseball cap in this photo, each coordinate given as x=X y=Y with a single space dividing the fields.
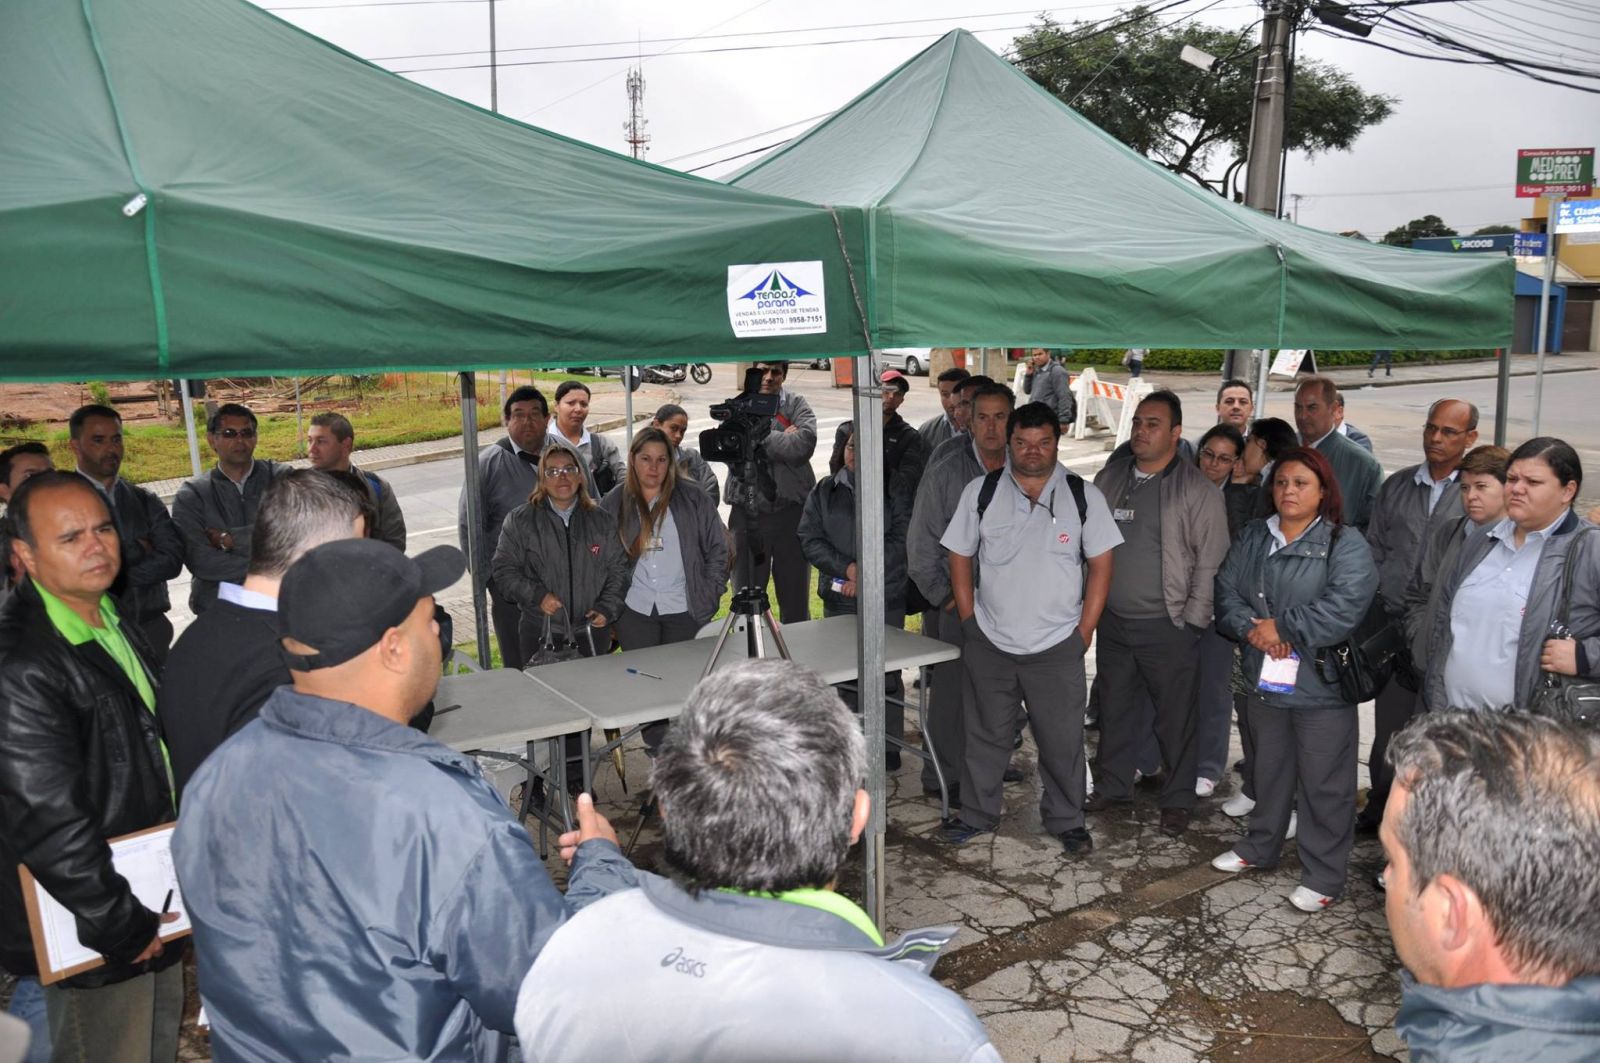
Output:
x=342 y=596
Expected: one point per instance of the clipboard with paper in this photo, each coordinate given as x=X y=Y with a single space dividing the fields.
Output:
x=144 y=858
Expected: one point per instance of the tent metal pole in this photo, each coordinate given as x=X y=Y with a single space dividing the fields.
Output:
x=870 y=617
x=299 y=422
x=1502 y=395
x=473 y=491
x=1263 y=365
x=627 y=405
x=1541 y=342
x=188 y=426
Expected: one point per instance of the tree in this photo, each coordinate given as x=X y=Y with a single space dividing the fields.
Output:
x=1131 y=83
x=1495 y=230
x=1427 y=225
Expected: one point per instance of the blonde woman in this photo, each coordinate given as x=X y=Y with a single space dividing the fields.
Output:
x=559 y=558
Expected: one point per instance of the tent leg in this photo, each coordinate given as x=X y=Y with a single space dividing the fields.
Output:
x=188 y=426
x=627 y=405
x=474 y=493
x=870 y=615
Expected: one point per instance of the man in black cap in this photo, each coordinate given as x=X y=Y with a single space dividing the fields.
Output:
x=357 y=889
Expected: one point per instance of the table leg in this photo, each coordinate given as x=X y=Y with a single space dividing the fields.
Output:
x=927 y=740
x=558 y=765
x=588 y=764
x=527 y=794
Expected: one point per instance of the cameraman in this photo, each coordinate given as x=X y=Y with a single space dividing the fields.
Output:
x=783 y=480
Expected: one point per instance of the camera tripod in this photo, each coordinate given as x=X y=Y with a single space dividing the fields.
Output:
x=749 y=601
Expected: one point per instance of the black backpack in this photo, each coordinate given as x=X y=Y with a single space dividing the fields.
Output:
x=991 y=481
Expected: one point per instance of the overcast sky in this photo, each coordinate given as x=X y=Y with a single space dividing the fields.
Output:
x=1449 y=149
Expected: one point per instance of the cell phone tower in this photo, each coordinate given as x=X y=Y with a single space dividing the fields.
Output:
x=638 y=140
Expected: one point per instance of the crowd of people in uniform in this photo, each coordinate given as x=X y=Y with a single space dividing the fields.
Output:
x=358 y=890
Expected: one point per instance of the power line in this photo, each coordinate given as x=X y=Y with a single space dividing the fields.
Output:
x=1403 y=191
x=741 y=140
x=745 y=33
x=374 y=3
x=635 y=56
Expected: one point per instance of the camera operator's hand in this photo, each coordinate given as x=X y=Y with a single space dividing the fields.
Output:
x=550 y=606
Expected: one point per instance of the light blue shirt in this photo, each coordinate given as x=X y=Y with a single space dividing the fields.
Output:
x=1275 y=529
x=239 y=595
x=1486 y=620
x=564 y=514
x=658 y=579
x=1436 y=488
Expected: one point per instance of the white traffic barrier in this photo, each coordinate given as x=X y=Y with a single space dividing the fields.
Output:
x=1106 y=399
x=1132 y=394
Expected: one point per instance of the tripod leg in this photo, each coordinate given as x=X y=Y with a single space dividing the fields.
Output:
x=722 y=638
x=777 y=635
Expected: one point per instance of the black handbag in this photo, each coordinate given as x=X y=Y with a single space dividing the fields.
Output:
x=1361 y=664
x=548 y=652
x=1568 y=697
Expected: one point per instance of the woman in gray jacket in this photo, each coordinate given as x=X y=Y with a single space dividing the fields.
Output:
x=560 y=560
x=1293 y=584
x=1490 y=627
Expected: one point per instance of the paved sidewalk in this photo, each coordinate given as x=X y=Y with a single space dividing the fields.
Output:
x=1350 y=377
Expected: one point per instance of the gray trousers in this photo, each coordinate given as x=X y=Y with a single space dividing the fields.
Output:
x=1053 y=684
x=947 y=703
x=506 y=615
x=1214 y=705
x=129 y=1022
x=1305 y=761
x=1161 y=660
x=1391 y=711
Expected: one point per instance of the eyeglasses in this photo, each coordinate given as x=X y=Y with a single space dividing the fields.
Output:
x=1220 y=459
x=561 y=470
x=1440 y=430
x=237 y=433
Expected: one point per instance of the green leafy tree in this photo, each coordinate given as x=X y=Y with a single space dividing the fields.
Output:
x=1427 y=225
x=1132 y=83
x=1495 y=230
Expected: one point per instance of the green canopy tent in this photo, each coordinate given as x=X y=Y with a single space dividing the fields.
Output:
x=196 y=188
x=997 y=216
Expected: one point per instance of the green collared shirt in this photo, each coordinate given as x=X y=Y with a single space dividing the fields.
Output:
x=78 y=631
x=827 y=901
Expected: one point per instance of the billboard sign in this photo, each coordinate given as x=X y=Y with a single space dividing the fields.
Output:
x=1555 y=171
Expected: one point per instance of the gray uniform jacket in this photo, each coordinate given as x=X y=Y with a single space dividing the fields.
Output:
x=789 y=456
x=507 y=480
x=934 y=431
x=828 y=537
x=1359 y=475
x=1358 y=437
x=1490 y=1023
x=702 y=540
x=1438 y=554
x=365 y=894
x=1400 y=525
x=141 y=590
x=1052 y=386
x=693 y=467
x=1544 y=602
x=951 y=469
x=391 y=521
x=213 y=501
x=581 y=562
x=1194 y=534
x=724 y=977
x=1317 y=599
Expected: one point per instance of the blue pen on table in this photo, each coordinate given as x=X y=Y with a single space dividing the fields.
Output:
x=647 y=675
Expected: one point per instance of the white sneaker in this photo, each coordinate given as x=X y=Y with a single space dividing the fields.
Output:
x=1308 y=900
x=1294 y=821
x=1230 y=862
x=1238 y=806
x=1204 y=787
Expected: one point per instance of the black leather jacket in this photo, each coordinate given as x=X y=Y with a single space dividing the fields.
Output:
x=80 y=762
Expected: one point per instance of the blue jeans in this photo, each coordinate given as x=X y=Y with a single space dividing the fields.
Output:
x=27 y=1004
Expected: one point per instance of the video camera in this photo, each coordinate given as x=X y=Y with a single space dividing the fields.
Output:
x=746 y=421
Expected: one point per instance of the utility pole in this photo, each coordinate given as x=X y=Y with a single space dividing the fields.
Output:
x=494 y=66
x=1295 y=213
x=1264 y=161
x=637 y=139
